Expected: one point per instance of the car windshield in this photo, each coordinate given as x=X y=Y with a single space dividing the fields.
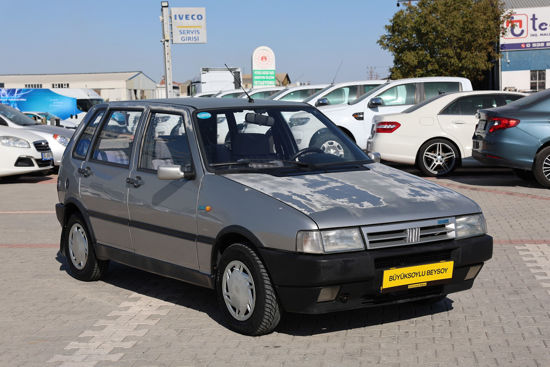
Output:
x=274 y=138
x=16 y=117
x=277 y=94
x=84 y=105
x=315 y=95
x=368 y=94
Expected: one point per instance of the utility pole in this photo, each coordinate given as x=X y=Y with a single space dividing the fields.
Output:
x=165 y=19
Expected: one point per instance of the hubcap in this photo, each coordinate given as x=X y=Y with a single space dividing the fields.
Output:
x=439 y=158
x=546 y=167
x=238 y=290
x=78 y=246
x=333 y=147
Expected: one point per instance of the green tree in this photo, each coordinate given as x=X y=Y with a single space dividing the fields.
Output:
x=445 y=37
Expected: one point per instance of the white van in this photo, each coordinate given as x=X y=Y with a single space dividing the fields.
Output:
x=355 y=118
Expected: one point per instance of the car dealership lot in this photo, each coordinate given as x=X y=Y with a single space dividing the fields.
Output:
x=133 y=318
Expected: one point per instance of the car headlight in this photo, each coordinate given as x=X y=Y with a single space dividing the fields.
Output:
x=12 y=141
x=470 y=225
x=329 y=241
x=61 y=139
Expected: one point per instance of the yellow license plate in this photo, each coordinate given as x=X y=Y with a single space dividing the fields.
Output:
x=417 y=276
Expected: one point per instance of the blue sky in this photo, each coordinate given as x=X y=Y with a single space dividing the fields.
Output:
x=309 y=38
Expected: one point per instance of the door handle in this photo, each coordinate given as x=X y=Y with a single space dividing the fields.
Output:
x=85 y=171
x=458 y=122
x=136 y=182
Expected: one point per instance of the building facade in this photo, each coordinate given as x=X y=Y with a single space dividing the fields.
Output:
x=115 y=86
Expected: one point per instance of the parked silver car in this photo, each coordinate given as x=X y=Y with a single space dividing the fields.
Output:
x=271 y=228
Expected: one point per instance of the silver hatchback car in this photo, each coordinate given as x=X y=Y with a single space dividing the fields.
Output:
x=216 y=192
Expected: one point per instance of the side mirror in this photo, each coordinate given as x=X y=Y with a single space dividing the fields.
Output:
x=173 y=173
x=322 y=102
x=375 y=102
x=375 y=156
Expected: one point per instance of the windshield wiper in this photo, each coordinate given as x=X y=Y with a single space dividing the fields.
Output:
x=344 y=163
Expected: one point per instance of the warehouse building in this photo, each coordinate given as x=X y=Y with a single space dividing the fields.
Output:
x=525 y=48
x=116 y=86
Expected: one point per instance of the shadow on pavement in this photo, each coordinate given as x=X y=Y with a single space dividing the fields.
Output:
x=27 y=179
x=204 y=300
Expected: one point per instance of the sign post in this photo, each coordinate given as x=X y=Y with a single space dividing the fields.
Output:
x=263 y=67
x=165 y=18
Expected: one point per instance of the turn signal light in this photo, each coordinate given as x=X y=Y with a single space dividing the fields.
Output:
x=358 y=115
x=499 y=123
x=387 y=126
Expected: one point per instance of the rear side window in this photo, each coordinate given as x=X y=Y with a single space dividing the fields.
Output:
x=83 y=144
x=510 y=98
x=115 y=140
x=471 y=104
x=165 y=143
x=399 y=95
x=432 y=89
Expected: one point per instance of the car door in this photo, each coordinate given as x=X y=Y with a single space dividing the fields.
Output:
x=458 y=118
x=103 y=186
x=163 y=221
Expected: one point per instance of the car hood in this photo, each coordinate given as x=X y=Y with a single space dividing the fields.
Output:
x=48 y=129
x=380 y=195
x=19 y=133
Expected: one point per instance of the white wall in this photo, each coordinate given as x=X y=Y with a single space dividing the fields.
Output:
x=520 y=79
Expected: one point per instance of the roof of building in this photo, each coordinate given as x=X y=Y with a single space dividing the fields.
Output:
x=518 y=4
x=68 y=77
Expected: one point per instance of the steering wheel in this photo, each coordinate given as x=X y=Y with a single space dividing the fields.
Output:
x=307 y=150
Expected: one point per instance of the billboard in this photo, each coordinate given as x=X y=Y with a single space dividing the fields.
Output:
x=188 y=25
x=263 y=67
x=40 y=100
x=527 y=29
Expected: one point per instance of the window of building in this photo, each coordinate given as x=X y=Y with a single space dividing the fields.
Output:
x=60 y=85
x=33 y=85
x=538 y=80
x=1 y=85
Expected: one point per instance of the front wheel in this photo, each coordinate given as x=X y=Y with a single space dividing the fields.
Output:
x=245 y=293
x=542 y=167
x=437 y=157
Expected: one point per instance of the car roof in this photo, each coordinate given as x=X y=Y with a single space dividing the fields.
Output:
x=206 y=103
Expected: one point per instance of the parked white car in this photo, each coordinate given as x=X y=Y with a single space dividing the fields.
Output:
x=355 y=119
x=57 y=137
x=297 y=94
x=435 y=135
x=233 y=93
x=262 y=93
x=23 y=152
x=342 y=93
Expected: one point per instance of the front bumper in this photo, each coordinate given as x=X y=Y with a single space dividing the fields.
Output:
x=299 y=278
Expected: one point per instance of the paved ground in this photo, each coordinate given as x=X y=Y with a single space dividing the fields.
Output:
x=133 y=318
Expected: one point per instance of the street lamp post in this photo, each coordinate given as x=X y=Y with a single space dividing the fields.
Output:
x=165 y=19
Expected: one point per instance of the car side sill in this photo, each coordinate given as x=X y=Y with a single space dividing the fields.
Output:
x=155 y=266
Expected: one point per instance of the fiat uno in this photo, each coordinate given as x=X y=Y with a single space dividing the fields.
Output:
x=216 y=192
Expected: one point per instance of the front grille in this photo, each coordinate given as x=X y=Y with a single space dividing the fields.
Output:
x=409 y=233
x=412 y=259
x=43 y=163
x=42 y=145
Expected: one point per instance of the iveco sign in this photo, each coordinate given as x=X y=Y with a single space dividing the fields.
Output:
x=188 y=25
x=527 y=29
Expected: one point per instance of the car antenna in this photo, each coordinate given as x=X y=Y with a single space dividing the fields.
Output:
x=336 y=73
x=250 y=100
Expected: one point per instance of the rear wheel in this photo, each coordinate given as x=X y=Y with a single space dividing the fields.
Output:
x=245 y=293
x=437 y=157
x=79 y=251
x=542 y=167
x=328 y=144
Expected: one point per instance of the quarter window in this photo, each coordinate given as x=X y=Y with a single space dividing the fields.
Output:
x=399 y=95
x=83 y=143
x=165 y=143
x=538 y=80
x=114 y=144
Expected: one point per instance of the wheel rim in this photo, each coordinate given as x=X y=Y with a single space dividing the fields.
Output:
x=546 y=167
x=439 y=158
x=78 y=246
x=333 y=147
x=238 y=290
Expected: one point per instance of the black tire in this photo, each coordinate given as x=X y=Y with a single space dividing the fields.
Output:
x=541 y=169
x=329 y=144
x=265 y=314
x=437 y=157
x=86 y=268
x=524 y=174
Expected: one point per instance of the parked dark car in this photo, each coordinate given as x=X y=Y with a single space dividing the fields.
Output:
x=518 y=136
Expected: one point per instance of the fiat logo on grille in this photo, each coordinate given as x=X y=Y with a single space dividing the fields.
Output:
x=413 y=235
